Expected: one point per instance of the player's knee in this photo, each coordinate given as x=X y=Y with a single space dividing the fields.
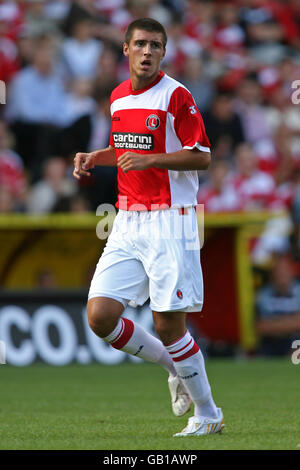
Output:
x=102 y=318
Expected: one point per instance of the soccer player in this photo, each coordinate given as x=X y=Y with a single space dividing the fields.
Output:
x=158 y=142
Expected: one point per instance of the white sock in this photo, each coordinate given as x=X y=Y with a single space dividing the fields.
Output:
x=207 y=409
x=133 y=339
x=189 y=364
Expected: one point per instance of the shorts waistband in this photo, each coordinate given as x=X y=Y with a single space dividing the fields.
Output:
x=181 y=210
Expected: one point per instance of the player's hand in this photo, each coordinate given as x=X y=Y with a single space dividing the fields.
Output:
x=82 y=163
x=134 y=161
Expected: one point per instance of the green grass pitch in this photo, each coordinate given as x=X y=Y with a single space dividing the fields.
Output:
x=127 y=407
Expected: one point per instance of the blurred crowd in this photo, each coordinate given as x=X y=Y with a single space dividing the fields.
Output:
x=240 y=59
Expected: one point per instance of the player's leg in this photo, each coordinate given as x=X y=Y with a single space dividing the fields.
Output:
x=188 y=359
x=104 y=317
x=189 y=364
x=180 y=399
x=174 y=290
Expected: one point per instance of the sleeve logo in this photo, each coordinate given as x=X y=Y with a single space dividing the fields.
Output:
x=152 y=122
x=193 y=109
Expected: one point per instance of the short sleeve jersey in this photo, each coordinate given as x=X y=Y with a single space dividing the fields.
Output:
x=161 y=118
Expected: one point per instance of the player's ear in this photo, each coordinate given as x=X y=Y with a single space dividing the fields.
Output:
x=125 y=49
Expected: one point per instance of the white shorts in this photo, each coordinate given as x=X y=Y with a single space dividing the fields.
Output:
x=152 y=254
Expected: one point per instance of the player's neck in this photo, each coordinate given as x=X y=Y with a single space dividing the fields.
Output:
x=138 y=83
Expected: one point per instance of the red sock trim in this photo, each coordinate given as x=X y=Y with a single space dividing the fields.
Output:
x=121 y=332
x=191 y=352
x=125 y=336
x=178 y=350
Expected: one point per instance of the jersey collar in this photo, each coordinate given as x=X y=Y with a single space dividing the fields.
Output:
x=142 y=90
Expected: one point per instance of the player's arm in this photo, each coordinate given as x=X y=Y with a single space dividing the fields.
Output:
x=279 y=325
x=182 y=160
x=86 y=161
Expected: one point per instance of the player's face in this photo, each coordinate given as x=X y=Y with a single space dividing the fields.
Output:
x=145 y=52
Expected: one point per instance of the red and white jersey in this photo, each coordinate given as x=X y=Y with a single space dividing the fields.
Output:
x=226 y=200
x=161 y=118
x=254 y=192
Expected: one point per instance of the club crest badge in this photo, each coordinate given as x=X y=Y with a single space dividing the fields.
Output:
x=179 y=294
x=152 y=122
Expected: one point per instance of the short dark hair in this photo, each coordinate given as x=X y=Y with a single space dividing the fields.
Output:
x=146 y=24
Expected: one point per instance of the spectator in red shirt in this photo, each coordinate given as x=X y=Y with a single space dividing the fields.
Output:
x=229 y=36
x=8 y=52
x=13 y=182
x=216 y=194
x=253 y=187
